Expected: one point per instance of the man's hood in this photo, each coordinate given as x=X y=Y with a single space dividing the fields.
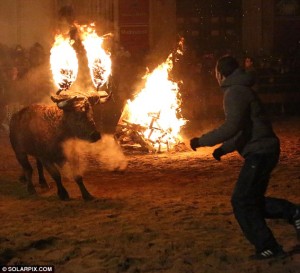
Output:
x=238 y=77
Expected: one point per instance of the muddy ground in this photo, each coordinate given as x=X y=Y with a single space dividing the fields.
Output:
x=166 y=213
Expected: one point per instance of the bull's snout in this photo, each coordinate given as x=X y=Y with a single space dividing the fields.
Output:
x=95 y=136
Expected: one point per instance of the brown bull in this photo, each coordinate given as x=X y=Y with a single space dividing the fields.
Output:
x=40 y=130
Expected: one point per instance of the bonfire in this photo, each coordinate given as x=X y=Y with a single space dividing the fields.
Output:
x=153 y=120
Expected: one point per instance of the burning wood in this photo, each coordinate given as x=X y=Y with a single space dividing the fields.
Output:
x=153 y=118
x=130 y=134
x=153 y=123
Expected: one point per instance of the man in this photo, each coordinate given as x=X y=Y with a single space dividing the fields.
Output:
x=249 y=66
x=247 y=130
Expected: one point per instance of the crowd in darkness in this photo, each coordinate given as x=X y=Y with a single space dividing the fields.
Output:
x=17 y=61
x=18 y=66
x=15 y=64
x=275 y=74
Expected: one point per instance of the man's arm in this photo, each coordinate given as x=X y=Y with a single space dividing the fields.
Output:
x=235 y=105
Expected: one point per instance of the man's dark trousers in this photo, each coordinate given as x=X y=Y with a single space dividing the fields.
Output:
x=251 y=207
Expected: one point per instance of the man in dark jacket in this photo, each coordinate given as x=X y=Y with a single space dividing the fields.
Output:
x=247 y=130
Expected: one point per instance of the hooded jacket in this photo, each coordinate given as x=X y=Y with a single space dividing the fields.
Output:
x=246 y=127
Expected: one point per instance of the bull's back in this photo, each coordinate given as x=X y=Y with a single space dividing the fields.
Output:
x=31 y=129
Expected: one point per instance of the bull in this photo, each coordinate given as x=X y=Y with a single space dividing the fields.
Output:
x=40 y=130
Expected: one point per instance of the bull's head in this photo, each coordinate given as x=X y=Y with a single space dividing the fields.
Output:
x=78 y=114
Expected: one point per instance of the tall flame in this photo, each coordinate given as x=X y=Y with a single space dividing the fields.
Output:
x=64 y=63
x=98 y=59
x=157 y=106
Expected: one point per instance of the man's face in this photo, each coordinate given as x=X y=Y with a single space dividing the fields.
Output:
x=248 y=63
x=219 y=77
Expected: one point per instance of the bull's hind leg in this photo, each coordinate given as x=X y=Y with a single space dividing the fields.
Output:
x=42 y=180
x=22 y=178
x=55 y=174
x=84 y=192
x=27 y=169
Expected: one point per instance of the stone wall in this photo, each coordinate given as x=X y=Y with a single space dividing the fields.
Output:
x=26 y=22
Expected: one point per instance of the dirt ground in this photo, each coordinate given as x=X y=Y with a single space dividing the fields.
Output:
x=166 y=212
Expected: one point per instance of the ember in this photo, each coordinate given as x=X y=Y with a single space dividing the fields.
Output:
x=153 y=119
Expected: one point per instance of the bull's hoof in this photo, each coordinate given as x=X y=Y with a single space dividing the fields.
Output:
x=63 y=195
x=22 y=179
x=64 y=198
x=44 y=184
x=88 y=197
x=31 y=190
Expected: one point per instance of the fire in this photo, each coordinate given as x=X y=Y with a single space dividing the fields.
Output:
x=99 y=60
x=156 y=109
x=64 y=62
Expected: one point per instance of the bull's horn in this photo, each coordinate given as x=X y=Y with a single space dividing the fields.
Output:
x=98 y=97
x=104 y=96
x=64 y=102
x=93 y=98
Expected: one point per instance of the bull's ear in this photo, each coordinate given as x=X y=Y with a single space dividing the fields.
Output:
x=59 y=98
x=104 y=96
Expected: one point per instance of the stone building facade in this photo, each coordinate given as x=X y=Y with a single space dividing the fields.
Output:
x=144 y=25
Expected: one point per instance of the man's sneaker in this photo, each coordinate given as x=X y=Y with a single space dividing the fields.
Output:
x=270 y=253
x=296 y=222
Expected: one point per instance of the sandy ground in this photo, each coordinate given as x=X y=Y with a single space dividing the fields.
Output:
x=167 y=212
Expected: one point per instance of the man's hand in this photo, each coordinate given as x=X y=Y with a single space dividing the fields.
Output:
x=218 y=153
x=194 y=143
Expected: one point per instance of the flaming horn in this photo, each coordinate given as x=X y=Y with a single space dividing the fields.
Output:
x=64 y=63
x=99 y=60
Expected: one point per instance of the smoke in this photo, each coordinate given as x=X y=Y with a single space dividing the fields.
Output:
x=34 y=87
x=106 y=152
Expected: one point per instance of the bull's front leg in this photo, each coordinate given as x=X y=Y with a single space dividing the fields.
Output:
x=42 y=179
x=55 y=174
x=84 y=192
